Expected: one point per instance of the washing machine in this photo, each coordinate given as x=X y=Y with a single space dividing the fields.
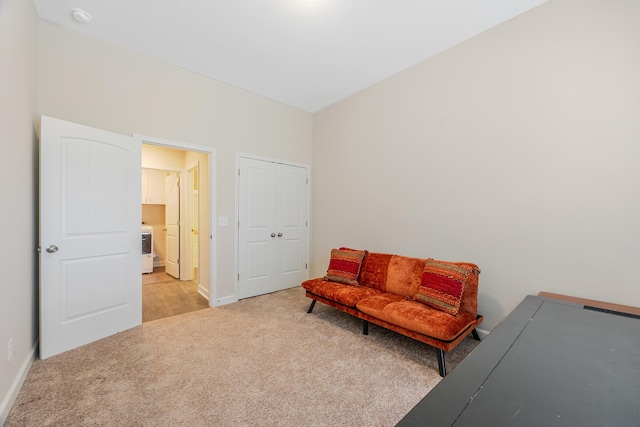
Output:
x=147 y=249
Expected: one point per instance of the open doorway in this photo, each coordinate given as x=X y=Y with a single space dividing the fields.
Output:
x=179 y=215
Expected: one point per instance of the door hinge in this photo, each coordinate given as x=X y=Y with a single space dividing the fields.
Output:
x=178 y=261
x=238 y=172
x=306 y=267
x=307 y=180
x=238 y=276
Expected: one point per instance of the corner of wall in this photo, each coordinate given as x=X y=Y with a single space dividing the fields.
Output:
x=14 y=390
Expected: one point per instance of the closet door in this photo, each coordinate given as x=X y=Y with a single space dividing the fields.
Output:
x=256 y=227
x=292 y=225
x=273 y=227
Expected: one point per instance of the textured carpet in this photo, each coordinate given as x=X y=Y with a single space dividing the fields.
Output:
x=260 y=362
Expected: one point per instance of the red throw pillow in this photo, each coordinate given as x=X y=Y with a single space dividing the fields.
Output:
x=344 y=266
x=442 y=285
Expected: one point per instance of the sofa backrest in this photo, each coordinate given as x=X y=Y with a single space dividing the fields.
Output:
x=396 y=274
x=402 y=275
x=373 y=272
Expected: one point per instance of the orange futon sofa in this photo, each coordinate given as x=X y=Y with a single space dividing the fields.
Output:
x=432 y=301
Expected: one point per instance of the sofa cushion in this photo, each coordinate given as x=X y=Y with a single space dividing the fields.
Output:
x=415 y=316
x=404 y=275
x=344 y=266
x=374 y=271
x=344 y=294
x=442 y=285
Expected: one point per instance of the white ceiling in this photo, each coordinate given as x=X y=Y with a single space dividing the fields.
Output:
x=303 y=53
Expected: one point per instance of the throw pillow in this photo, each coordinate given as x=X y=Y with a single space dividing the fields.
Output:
x=344 y=266
x=442 y=285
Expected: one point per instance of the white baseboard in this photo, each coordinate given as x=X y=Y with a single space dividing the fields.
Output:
x=203 y=291
x=225 y=300
x=10 y=398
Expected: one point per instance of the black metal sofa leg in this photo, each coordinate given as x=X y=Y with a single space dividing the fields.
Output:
x=441 y=364
x=313 y=303
x=475 y=334
x=365 y=327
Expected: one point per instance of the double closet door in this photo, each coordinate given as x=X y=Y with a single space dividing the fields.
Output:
x=272 y=226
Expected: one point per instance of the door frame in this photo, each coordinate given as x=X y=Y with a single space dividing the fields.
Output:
x=236 y=242
x=166 y=143
x=189 y=223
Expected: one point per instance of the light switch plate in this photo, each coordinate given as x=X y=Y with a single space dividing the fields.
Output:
x=223 y=221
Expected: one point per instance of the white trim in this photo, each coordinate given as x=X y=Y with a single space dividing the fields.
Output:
x=213 y=167
x=14 y=390
x=152 y=140
x=226 y=300
x=270 y=159
x=236 y=236
x=187 y=273
x=203 y=291
x=183 y=214
x=309 y=221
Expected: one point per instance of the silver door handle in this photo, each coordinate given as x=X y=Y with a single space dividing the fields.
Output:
x=52 y=249
x=279 y=234
x=273 y=234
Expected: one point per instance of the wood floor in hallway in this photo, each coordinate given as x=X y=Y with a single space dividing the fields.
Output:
x=164 y=296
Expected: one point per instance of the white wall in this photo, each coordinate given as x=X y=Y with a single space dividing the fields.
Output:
x=98 y=84
x=517 y=150
x=18 y=174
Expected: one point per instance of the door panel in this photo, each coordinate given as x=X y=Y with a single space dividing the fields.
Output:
x=257 y=260
x=90 y=283
x=292 y=218
x=292 y=256
x=261 y=189
x=172 y=224
x=89 y=164
x=93 y=286
x=257 y=215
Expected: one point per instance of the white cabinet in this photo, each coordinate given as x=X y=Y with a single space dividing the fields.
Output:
x=153 y=187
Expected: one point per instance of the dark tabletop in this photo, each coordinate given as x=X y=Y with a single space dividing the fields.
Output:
x=548 y=363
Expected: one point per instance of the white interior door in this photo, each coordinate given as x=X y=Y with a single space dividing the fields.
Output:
x=90 y=261
x=273 y=227
x=172 y=224
x=292 y=220
x=257 y=227
x=194 y=220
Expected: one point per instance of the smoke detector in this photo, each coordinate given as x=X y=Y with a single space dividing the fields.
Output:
x=80 y=15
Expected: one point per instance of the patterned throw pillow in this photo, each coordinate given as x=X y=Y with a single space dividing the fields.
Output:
x=443 y=285
x=344 y=266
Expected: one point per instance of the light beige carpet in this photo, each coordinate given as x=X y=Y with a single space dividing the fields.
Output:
x=260 y=362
